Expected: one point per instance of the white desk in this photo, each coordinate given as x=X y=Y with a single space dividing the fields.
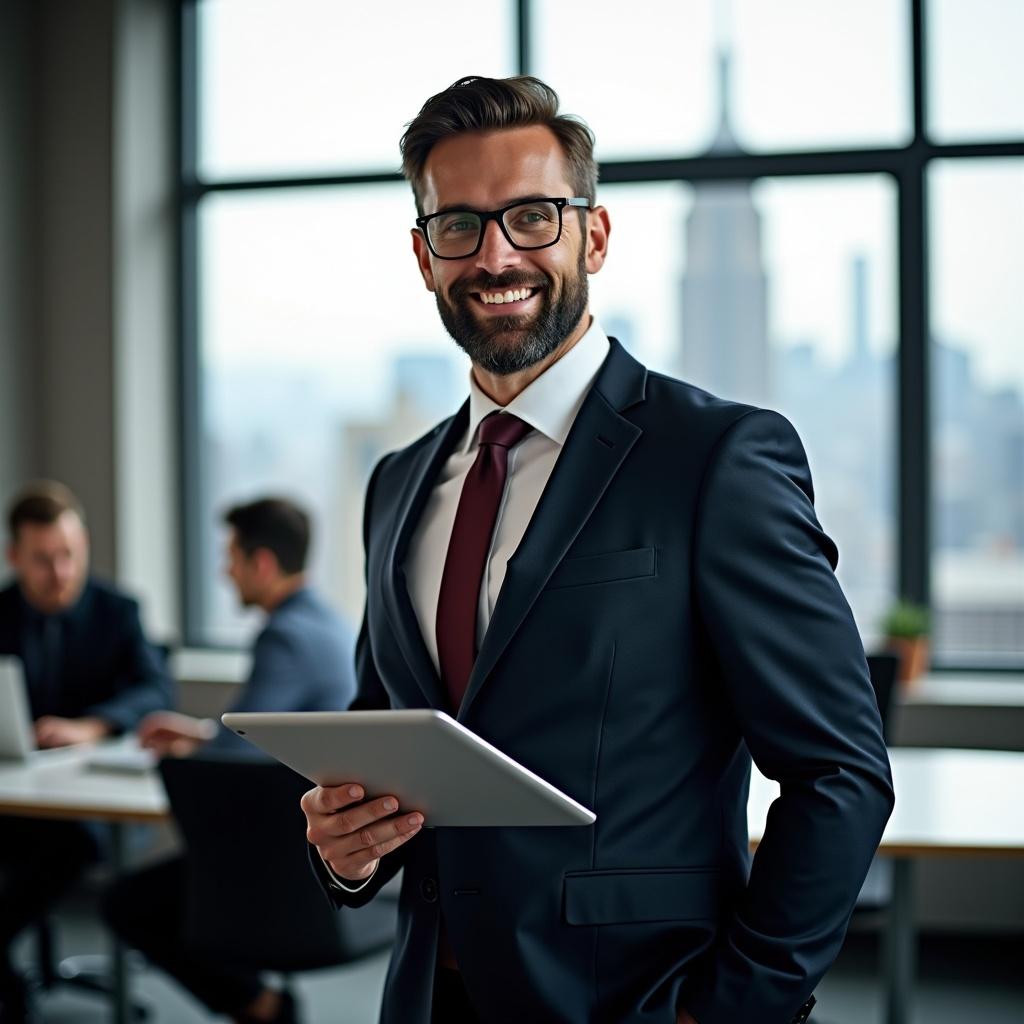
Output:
x=949 y=803
x=58 y=784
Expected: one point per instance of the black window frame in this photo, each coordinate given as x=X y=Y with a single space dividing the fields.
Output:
x=906 y=165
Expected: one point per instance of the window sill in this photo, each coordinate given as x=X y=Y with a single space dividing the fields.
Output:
x=199 y=665
x=965 y=690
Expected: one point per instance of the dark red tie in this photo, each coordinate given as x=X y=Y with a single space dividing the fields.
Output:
x=467 y=551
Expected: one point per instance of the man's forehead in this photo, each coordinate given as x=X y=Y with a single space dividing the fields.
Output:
x=489 y=169
x=67 y=524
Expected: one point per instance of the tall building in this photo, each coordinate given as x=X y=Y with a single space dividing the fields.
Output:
x=725 y=320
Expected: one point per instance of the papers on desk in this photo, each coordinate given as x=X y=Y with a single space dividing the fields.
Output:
x=123 y=758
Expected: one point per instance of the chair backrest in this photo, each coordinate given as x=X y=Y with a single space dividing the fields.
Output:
x=883 y=668
x=252 y=897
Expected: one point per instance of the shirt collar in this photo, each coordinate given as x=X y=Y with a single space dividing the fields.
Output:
x=33 y=615
x=550 y=403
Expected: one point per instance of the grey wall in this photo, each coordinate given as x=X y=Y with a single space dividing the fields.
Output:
x=72 y=222
x=55 y=253
x=87 y=367
x=17 y=453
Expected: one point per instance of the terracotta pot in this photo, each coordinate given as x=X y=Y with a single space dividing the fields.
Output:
x=913 y=655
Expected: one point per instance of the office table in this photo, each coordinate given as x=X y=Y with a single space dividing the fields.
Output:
x=949 y=803
x=58 y=784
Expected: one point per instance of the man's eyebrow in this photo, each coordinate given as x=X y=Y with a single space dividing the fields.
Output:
x=468 y=208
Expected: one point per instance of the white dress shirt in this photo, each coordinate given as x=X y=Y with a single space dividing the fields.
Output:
x=549 y=405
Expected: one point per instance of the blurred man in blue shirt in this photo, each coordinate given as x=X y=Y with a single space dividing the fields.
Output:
x=302 y=661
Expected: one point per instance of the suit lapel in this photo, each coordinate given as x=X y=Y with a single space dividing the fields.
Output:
x=599 y=441
x=422 y=476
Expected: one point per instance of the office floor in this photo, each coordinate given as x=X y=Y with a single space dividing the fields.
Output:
x=976 y=979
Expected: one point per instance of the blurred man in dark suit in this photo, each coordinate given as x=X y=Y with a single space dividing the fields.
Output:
x=303 y=661
x=90 y=673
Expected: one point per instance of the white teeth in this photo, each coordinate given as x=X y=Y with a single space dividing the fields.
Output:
x=512 y=295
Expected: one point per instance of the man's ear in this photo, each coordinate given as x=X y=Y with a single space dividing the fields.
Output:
x=12 y=559
x=266 y=563
x=419 y=247
x=599 y=227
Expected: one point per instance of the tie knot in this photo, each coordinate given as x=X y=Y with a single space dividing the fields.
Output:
x=503 y=429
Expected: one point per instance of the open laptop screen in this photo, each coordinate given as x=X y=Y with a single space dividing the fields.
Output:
x=17 y=739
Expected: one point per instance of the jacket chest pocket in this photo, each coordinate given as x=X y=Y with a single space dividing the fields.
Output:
x=642 y=895
x=610 y=567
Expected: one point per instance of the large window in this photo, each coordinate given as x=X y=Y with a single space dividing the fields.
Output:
x=815 y=210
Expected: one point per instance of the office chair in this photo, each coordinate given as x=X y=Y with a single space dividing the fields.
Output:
x=90 y=972
x=251 y=896
x=883 y=668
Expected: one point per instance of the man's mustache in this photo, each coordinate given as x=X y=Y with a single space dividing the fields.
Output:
x=501 y=283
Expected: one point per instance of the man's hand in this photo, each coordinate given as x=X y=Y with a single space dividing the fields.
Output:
x=684 y=1018
x=351 y=837
x=52 y=731
x=174 y=735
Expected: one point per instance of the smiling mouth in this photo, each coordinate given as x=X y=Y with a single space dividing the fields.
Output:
x=507 y=297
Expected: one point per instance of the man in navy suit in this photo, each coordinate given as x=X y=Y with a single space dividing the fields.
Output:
x=302 y=661
x=90 y=673
x=620 y=581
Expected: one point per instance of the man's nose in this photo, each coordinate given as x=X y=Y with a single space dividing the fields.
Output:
x=496 y=252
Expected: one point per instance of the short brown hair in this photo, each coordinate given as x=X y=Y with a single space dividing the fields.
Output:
x=278 y=525
x=42 y=502
x=477 y=104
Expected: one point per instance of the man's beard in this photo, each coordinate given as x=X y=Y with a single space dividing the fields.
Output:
x=535 y=336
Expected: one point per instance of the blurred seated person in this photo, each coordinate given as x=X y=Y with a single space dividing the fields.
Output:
x=303 y=660
x=89 y=672
x=303 y=657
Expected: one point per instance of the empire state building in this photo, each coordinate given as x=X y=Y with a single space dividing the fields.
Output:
x=725 y=322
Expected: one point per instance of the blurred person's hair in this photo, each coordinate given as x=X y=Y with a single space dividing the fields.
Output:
x=277 y=524
x=477 y=104
x=41 y=503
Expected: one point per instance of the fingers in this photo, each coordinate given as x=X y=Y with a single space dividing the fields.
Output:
x=351 y=835
x=354 y=856
x=334 y=811
x=153 y=723
x=328 y=799
x=50 y=731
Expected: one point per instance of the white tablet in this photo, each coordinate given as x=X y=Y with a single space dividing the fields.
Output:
x=423 y=757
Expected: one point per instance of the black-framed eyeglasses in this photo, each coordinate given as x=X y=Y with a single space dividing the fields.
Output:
x=527 y=224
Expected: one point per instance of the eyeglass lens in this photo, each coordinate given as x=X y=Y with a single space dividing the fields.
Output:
x=529 y=225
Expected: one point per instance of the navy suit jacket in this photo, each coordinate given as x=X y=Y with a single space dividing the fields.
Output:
x=671 y=611
x=302 y=661
x=108 y=669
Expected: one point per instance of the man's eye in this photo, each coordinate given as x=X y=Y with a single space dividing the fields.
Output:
x=455 y=227
x=532 y=217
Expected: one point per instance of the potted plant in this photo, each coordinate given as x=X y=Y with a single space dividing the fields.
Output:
x=906 y=629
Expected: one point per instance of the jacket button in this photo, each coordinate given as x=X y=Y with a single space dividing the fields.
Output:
x=428 y=890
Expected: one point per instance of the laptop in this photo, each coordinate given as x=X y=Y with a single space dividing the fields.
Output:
x=17 y=737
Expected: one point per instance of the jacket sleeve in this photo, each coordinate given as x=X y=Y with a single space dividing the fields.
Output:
x=797 y=681
x=142 y=682
x=272 y=686
x=370 y=696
